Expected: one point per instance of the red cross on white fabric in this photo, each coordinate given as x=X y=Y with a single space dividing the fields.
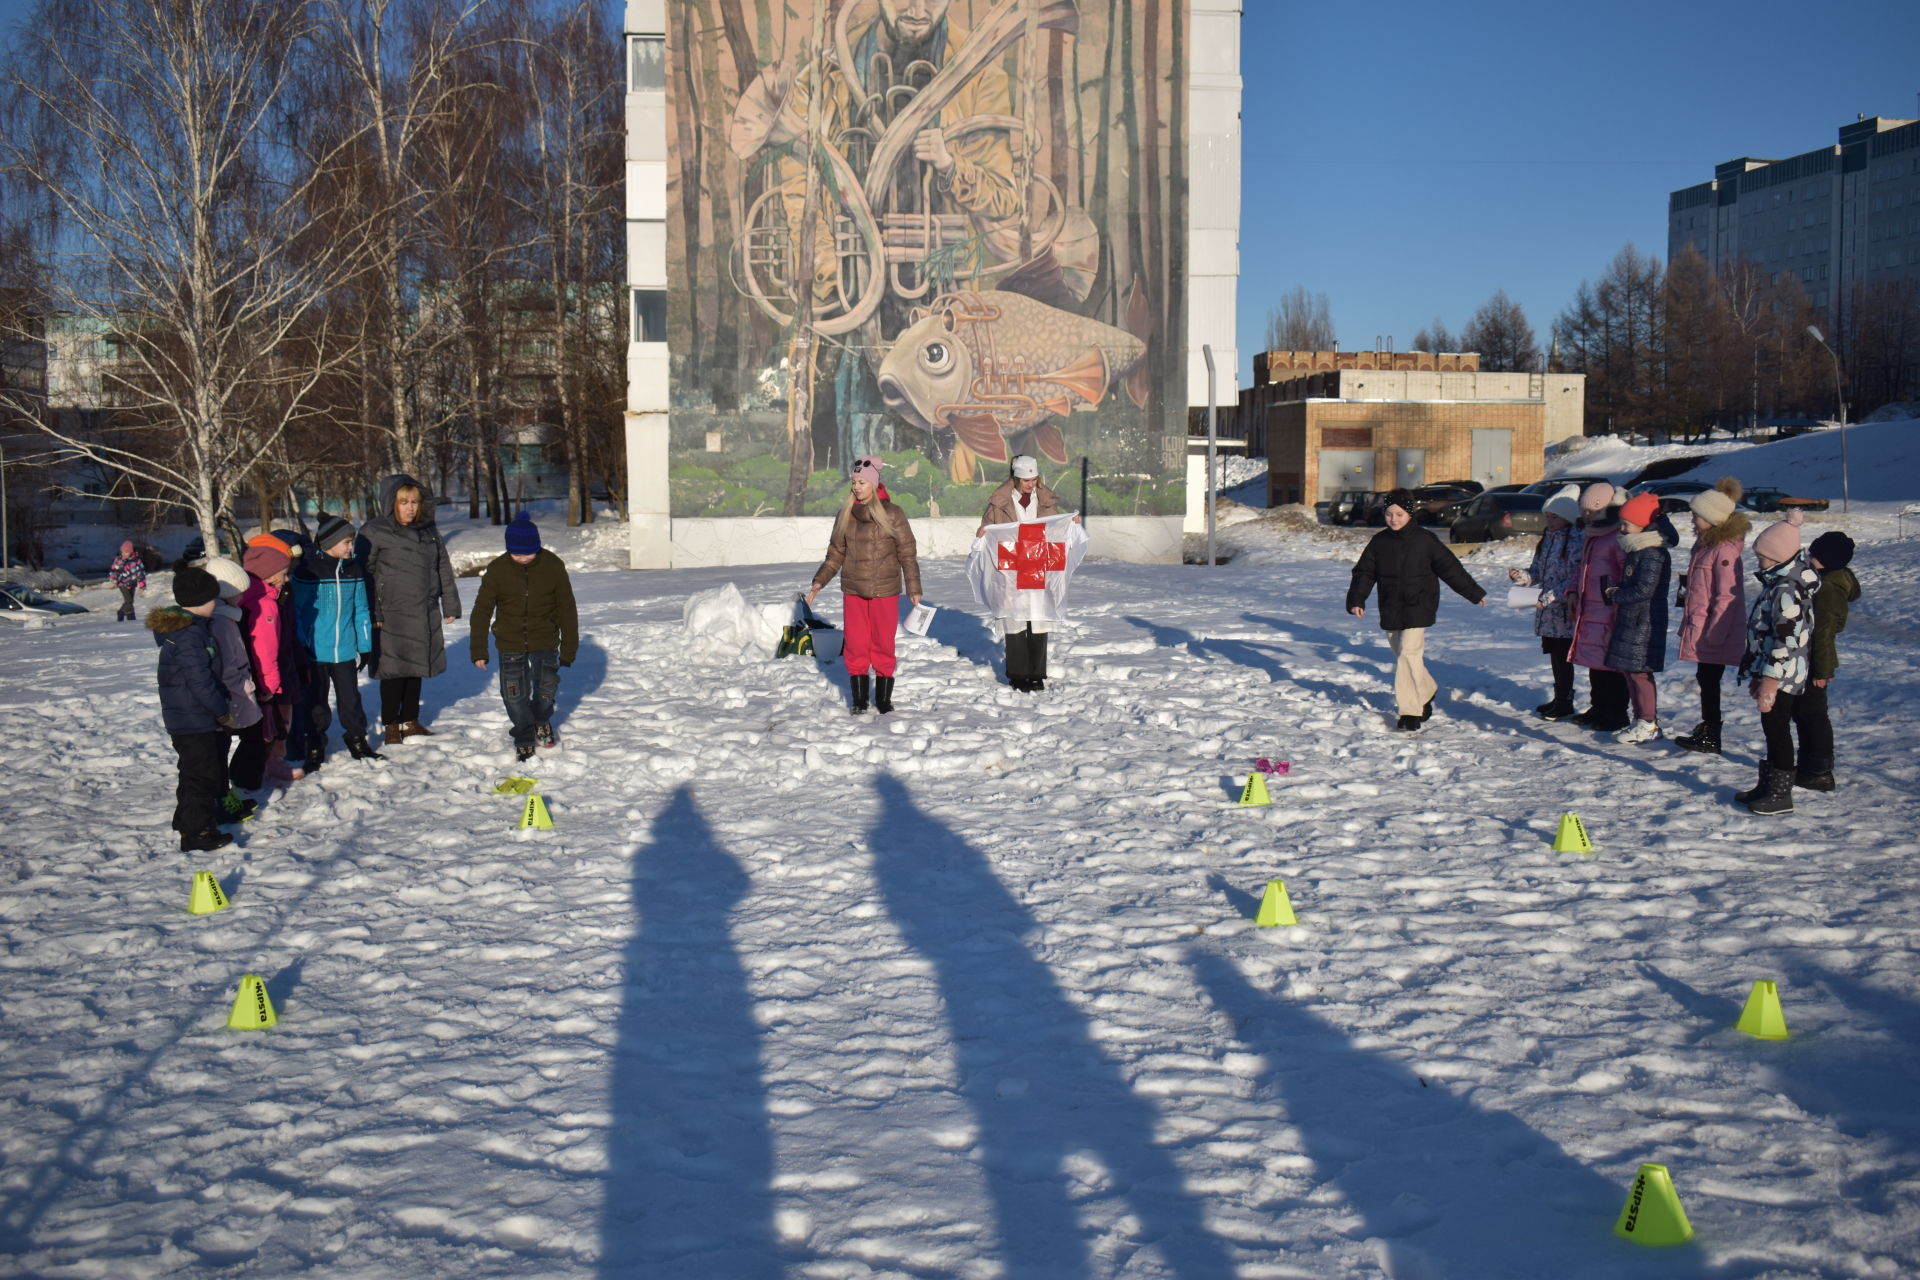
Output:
x=1032 y=557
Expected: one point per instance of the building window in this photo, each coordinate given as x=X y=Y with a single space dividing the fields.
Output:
x=649 y=315
x=646 y=63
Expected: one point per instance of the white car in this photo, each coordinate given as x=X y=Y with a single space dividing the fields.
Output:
x=25 y=604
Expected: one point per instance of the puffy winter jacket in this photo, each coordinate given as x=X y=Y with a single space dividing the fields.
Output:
x=530 y=607
x=1714 y=596
x=128 y=572
x=236 y=670
x=1003 y=505
x=330 y=612
x=1638 y=641
x=1601 y=559
x=1838 y=589
x=1408 y=565
x=1780 y=625
x=191 y=699
x=260 y=609
x=1556 y=571
x=871 y=558
x=412 y=586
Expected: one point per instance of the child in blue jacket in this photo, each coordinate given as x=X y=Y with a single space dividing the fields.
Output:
x=335 y=627
x=194 y=707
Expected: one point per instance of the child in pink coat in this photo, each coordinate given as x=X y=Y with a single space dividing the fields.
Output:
x=1602 y=561
x=267 y=562
x=1713 y=627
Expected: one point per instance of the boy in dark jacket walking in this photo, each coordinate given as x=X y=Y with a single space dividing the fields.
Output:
x=335 y=627
x=528 y=598
x=194 y=707
x=1409 y=564
x=1830 y=554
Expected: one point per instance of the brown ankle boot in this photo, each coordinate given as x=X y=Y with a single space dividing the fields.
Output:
x=394 y=733
x=414 y=729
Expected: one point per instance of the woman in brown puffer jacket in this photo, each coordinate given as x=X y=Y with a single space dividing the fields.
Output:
x=872 y=550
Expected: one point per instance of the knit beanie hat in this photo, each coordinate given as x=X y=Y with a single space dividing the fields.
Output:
x=522 y=538
x=193 y=587
x=1565 y=504
x=1715 y=505
x=1597 y=498
x=231 y=577
x=266 y=555
x=1402 y=499
x=1641 y=509
x=1833 y=549
x=332 y=529
x=1780 y=540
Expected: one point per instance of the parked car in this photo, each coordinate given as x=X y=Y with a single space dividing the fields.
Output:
x=1507 y=488
x=1768 y=498
x=1492 y=516
x=1428 y=500
x=1682 y=488
x=1349 y=506
x=1555 y=485
x=24 y=604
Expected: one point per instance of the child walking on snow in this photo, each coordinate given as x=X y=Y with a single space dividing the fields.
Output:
x=129 y=573
x=1830 y=555
x=1778 y=661
x=193 y=707
x=528 y=598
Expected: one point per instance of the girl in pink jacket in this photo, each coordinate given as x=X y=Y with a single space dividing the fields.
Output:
x=267 y=561
x=1601 y=564
x=1713 y=627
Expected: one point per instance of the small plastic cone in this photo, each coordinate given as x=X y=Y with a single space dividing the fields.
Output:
x=1572 y=836
x=1275 y=907
x=206 y=897
x=252 y=1006
x=1652 y=1214
x=535 y=814
x=1763 y=1017
x=514 y=787
x=1255 y=792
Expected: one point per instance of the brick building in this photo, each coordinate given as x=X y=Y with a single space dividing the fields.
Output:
x=1329 y=421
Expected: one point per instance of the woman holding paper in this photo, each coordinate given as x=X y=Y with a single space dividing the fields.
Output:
x=1021 y=497
x=872 y=549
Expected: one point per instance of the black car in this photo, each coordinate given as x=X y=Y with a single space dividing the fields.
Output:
x=1492 y=516
x=1550 y=487
x=22 y=604
x=1767 y=498
x=1349 y=506
x=1428 y=500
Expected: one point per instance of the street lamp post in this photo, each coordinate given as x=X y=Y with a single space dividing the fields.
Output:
x=1839 y=395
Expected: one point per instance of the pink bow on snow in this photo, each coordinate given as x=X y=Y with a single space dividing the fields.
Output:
x=1278 y=768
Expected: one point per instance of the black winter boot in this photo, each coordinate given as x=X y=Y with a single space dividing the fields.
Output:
x=883 y=694
x=857 y=686
x=1776 y=792
x=1410 y=724
x=360 y=749
x=205 y=841
x=316 y=756
x=1814 y=775
x=1426 y=712
x=1559 y=709
x=1705 y=738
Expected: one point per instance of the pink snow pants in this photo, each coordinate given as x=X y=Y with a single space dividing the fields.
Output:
x=870 y=622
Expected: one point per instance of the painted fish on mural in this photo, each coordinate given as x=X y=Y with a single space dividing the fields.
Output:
x=995 y=367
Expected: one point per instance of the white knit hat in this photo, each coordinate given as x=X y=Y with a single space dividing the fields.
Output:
x=231 y=577
x=1565 y=504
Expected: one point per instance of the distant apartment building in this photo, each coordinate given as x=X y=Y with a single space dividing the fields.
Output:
x=1373 y=420
x=1833 y=218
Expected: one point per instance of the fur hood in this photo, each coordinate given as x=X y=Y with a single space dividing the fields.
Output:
x=1640 y=541
x=164 y=622
x=1734 y=528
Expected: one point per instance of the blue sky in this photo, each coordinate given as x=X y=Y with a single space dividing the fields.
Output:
x=1410 y=163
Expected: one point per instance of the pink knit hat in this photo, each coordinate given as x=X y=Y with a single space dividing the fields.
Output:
x=1780 y=541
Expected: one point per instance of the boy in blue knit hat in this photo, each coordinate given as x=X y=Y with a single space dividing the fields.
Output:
x=528 y=598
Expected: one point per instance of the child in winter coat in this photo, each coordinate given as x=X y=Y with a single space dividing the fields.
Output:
x=1830 y=555
x=1555 y=570
x=528 y=598
x=236 y=672
x=1638 y=645
x=194 y=707
x=1714 y=600
x=268 y=561
x=1601 y=559
x=1778 y=662
x=129 y=573
x=872 y=549
x=334 y=625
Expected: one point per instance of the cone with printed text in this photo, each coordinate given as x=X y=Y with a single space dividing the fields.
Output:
x=1572 y=836
x=514 y=787
x=1763 y=1018
x=206 y=897
x=1275 y=907
x=534 y=814
x=1255 y=792
x=252 y=1006
x=1652 y=1214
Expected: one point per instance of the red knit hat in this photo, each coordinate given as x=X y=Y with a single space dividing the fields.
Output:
x=1641 y=509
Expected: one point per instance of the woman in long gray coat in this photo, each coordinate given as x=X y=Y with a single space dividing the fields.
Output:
x=413 y=593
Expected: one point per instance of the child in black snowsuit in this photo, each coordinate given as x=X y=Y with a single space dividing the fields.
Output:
x=194 y=707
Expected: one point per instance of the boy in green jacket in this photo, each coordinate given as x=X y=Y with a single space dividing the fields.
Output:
x=528 y=598
x=1831 y=553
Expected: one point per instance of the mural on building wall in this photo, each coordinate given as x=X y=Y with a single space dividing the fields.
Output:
x=897 y=227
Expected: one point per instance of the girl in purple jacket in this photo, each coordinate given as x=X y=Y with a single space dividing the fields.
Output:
x=1713 y=625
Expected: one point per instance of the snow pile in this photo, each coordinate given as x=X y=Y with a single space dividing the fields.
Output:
x=1882 y=464
x=48 y=580
x=721 y=626
x=1620 y=461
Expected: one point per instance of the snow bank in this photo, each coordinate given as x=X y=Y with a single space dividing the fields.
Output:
x=721 y=626
x=1883 y=463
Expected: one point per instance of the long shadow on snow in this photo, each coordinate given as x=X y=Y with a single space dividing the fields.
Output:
x=1451 y=1190
x=1254 y=656
x=1450 y=675
x=690 y=1151
x=1010 y=1020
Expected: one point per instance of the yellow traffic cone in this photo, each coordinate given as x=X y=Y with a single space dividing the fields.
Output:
x=1572 y=836
x=1255 y=792
x=1275 y=907
x=535 y=814
x=514 y=787
x=252 y=1007
x=206 y=897
x=1652 y=1214
x=1762 y=1018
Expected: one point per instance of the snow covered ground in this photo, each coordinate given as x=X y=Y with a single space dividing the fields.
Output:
x=973 y=990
